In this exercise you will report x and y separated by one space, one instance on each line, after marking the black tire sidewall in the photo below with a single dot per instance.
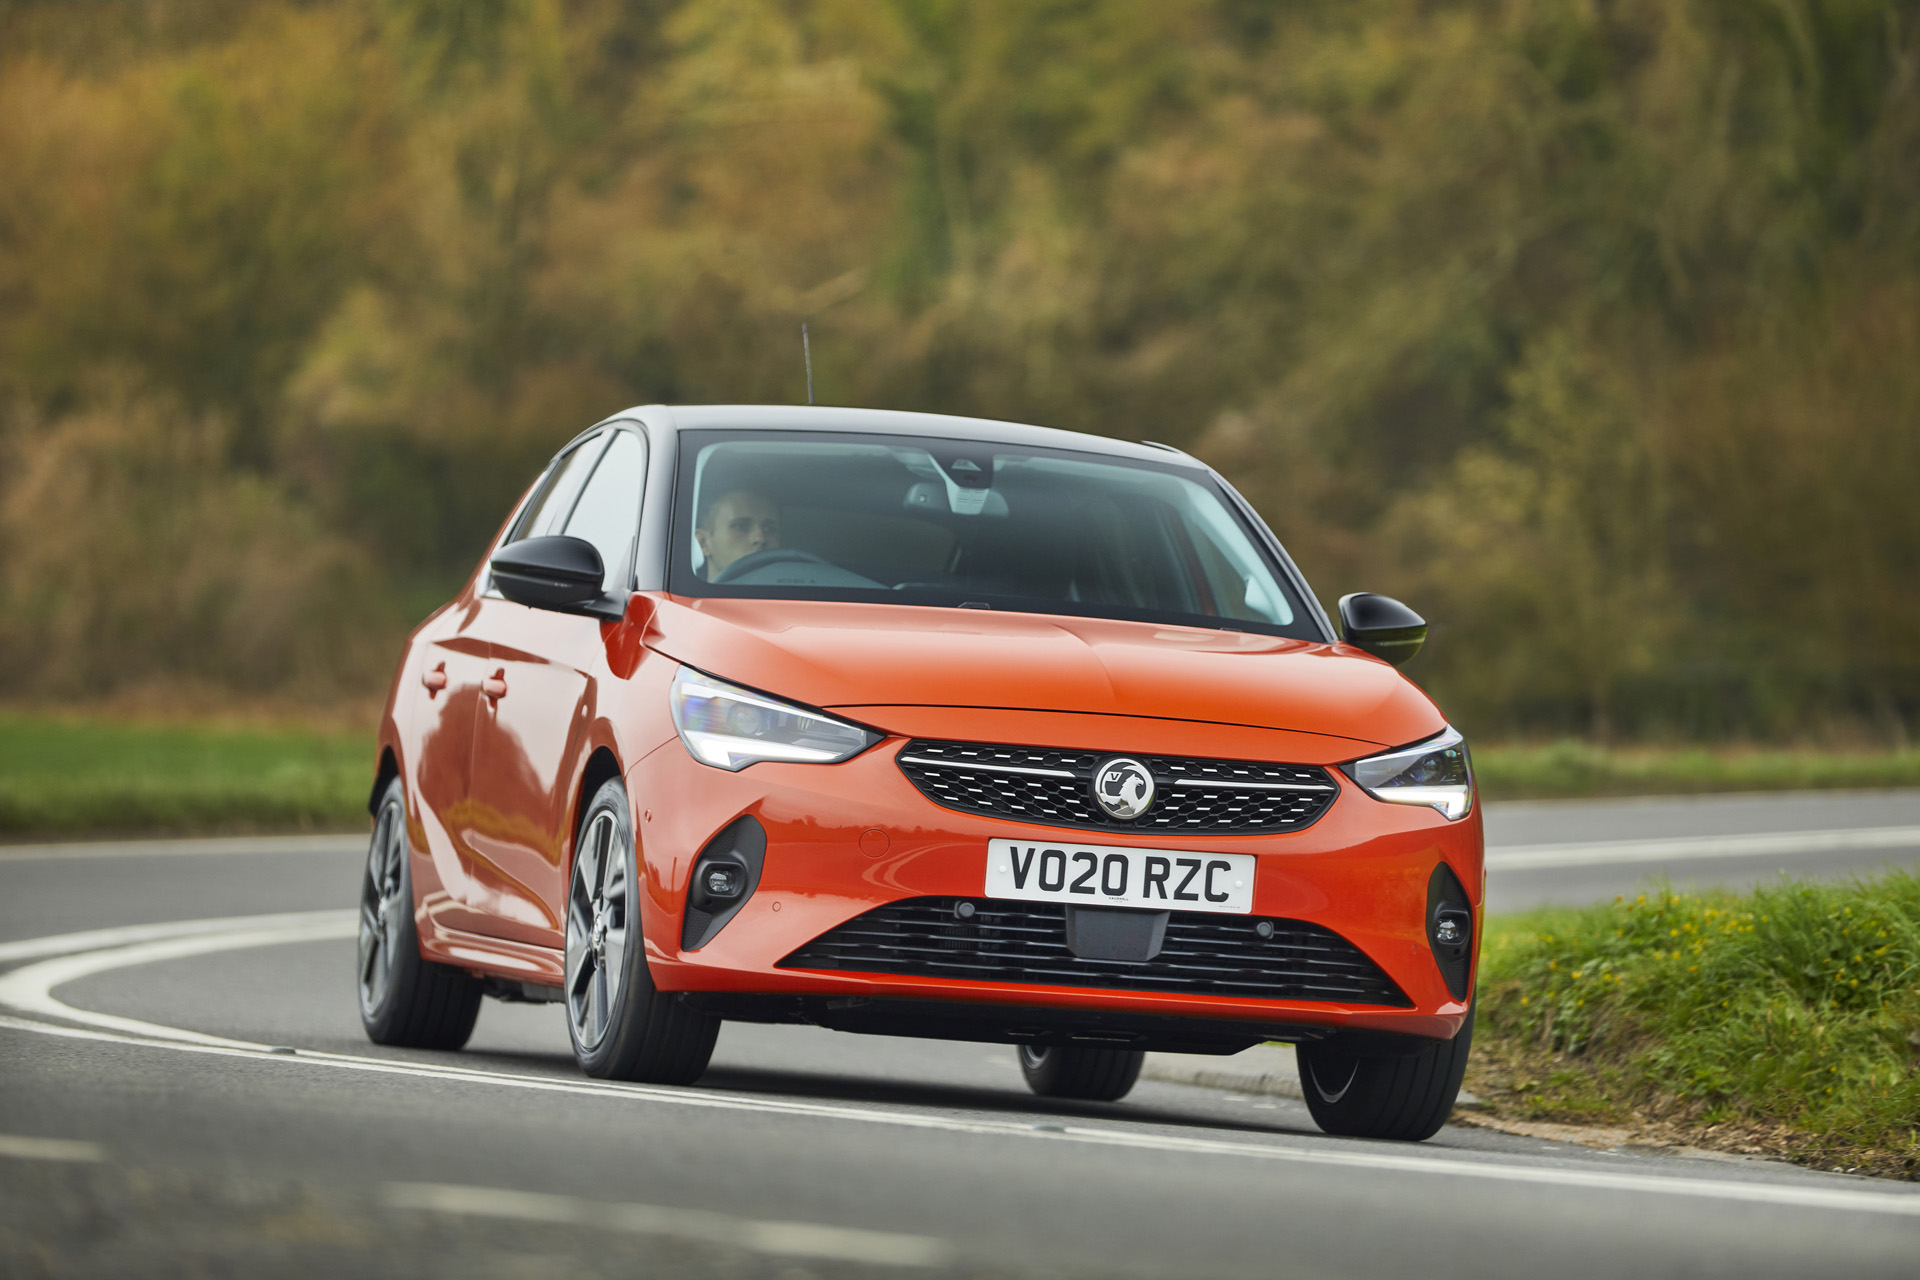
1370 1105
1081 1072
1040 1067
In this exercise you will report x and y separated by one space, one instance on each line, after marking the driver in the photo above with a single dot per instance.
737 523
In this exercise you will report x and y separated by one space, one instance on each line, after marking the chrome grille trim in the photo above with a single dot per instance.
989 768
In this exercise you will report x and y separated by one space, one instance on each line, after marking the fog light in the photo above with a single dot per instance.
723 883
1450 929
723 879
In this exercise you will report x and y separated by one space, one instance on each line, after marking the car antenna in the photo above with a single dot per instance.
806 351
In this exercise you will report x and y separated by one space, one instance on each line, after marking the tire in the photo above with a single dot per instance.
621 1027
1076 1071
1406 1097
405 1000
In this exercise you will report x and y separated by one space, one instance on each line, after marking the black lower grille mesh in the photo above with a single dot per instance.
1006 941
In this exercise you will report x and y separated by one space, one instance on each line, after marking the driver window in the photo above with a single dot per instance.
608 513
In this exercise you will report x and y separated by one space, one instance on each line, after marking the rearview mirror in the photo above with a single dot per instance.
1382 626
550 573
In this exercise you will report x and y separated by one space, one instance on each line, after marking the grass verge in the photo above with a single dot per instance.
1784 1022
61 775
81 773
1571 769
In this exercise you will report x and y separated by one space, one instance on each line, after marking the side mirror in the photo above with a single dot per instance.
550 573
1382 626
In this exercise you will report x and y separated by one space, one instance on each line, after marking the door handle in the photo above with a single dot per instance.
435 680
495 685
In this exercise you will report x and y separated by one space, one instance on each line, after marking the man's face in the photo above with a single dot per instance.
740 523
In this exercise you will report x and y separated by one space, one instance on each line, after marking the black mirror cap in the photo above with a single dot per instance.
1382 626
549 573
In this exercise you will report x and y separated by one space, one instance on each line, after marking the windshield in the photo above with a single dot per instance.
933 522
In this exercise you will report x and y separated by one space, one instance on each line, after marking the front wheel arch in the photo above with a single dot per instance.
601 768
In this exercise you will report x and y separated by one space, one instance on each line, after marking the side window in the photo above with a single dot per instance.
608 513
550 506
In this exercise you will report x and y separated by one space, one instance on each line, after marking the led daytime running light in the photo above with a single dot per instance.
1437 772
730 728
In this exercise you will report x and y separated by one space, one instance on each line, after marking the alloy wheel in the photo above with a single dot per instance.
597 918
382 908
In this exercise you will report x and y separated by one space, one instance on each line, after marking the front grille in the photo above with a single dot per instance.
1055 788
1007 941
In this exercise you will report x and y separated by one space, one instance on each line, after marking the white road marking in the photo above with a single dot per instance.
15 1146
1692 848
789 1239
95 939
319 845
29 989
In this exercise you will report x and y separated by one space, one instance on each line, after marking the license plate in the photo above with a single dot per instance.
1109 876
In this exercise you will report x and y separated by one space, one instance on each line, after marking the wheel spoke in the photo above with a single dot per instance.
369 952
616 955
383 860
597 1002
579 968
377 849
602 846
371 939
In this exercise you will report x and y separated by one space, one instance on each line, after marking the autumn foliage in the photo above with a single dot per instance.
1590 327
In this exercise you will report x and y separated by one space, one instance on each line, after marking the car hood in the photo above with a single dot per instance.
849 656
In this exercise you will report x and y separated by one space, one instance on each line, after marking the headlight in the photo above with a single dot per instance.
1435 772
730 727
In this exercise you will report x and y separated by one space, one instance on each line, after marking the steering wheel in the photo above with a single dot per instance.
760 559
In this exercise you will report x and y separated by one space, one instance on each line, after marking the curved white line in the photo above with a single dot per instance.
96 939
185 847
30 990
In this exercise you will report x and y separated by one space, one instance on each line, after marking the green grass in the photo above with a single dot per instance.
1790 1016
69 776
1570 769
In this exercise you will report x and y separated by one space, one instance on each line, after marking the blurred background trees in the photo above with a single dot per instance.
1591 327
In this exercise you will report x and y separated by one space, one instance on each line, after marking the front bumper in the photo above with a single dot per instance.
845 839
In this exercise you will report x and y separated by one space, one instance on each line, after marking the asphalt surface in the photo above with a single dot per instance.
1568 853
148 1126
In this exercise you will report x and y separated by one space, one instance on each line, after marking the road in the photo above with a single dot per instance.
1570 853
198 1099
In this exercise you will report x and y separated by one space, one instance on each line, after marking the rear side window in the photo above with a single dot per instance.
550 506
608 513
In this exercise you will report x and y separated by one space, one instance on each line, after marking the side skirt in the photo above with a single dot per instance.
518 962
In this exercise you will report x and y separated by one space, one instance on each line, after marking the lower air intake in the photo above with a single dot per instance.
1026 942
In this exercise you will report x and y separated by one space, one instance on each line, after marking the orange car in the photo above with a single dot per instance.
920 725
